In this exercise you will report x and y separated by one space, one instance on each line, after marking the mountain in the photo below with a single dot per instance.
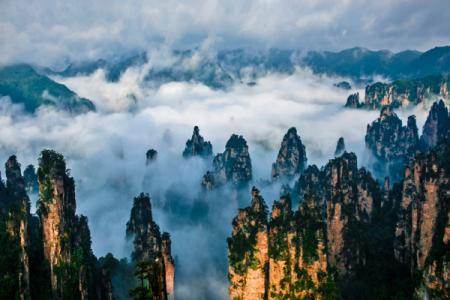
219 70
49 255
25 86
402 92
350 237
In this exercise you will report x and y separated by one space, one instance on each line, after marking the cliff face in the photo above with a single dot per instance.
322 244
197 146
65 236
436 126
391 144
422 230
291 160
232 166
17 222
248 251
151 250
405 92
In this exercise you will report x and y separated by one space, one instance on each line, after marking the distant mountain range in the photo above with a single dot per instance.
33 86
244 65
25 86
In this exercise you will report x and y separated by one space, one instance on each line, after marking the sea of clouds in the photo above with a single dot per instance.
105 151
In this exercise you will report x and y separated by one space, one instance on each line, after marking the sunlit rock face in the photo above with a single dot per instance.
291 159
151 247
391 144
340 147
436 126
197 146
233 166
65 236
422 230
248 249
405 92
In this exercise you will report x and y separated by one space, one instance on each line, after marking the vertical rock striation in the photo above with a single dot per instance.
248 251
65 236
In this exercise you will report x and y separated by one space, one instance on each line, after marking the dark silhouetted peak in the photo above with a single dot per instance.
436 127
353 101
151 155
232 166
390 143
291 160
31 181
340 147
345 85
151 249
197 146
14 180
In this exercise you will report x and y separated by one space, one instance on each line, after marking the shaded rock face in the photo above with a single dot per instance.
248 251
405 92
291 160
17 222
340 147
391 144
197 146
151 247
65 236
436 127
422 230
151 156
353 101
232 166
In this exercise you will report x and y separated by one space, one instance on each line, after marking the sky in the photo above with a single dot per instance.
50 33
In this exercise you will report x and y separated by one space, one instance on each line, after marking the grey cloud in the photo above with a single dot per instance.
51 33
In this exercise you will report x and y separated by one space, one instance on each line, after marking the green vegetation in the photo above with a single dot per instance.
25 86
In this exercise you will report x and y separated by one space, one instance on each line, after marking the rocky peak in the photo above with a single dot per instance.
340 147
390 143
151 156
232 166
151 248
436 127
14 179
65 236
248 251
146 234
353 101
291 160
197 146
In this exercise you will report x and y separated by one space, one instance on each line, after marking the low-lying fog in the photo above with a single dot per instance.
106 150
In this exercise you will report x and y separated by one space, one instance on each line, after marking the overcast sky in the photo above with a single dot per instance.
50 31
